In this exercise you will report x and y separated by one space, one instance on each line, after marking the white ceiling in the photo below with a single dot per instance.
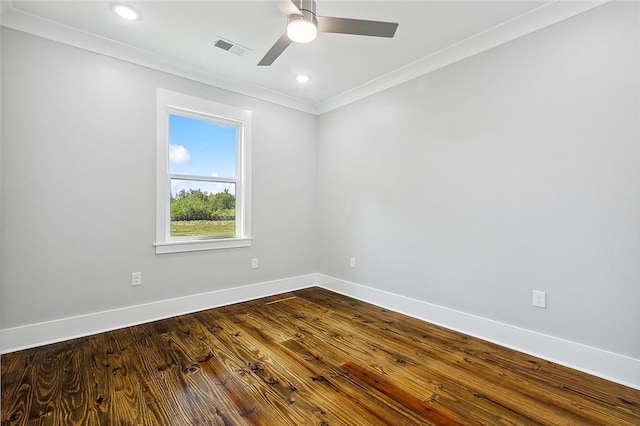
179 36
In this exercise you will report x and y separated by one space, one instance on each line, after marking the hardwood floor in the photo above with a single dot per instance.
311 357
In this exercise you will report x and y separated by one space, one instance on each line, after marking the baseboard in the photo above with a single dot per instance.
32 335
608 365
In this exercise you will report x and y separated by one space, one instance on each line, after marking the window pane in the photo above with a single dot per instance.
201 147
202 209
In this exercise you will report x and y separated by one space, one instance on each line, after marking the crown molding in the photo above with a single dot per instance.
38 26
536 19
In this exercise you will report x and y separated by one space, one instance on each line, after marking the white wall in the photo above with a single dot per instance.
1 175
78 176
513 170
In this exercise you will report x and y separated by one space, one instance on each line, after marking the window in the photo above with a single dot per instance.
204 185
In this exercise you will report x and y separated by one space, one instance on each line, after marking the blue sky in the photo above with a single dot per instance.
199 147
203 148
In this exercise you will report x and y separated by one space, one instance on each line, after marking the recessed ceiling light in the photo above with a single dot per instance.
302 78
126 12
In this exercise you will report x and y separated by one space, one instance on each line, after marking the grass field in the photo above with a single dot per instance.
202 228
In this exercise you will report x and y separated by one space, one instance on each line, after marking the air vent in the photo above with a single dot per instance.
232 47
223 44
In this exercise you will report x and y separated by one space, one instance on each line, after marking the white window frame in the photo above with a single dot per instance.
169 102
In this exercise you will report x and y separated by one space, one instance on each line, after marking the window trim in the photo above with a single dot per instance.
178 103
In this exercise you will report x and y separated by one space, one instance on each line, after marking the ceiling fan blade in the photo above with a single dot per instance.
327 24
275 51
289 7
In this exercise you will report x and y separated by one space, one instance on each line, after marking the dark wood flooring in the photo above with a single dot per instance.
311 357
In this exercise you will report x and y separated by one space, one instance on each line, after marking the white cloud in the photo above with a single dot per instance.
214 174
178 154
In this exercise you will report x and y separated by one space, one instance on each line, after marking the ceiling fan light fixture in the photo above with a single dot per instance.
302 28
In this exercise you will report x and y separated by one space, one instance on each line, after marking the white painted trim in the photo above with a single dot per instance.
31 24
32 335
174 102
608 365
547 14
534 20
176 246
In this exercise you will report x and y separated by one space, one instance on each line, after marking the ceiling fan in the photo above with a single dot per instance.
303 26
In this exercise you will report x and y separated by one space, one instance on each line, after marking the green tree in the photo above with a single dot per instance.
194 204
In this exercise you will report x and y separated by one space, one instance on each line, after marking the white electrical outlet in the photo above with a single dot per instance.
539 299
352 262
136 278
254 263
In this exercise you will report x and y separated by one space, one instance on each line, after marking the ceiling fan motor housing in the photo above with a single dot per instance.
306 16
305 5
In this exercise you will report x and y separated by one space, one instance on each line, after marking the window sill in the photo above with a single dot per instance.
199 245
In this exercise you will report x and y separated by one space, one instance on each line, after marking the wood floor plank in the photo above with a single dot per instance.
534 370
253 368
419 385
323 346
18 390
167 379
343 398
357 351
308 357
74 389
48 385
304 378
575 405
379 383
